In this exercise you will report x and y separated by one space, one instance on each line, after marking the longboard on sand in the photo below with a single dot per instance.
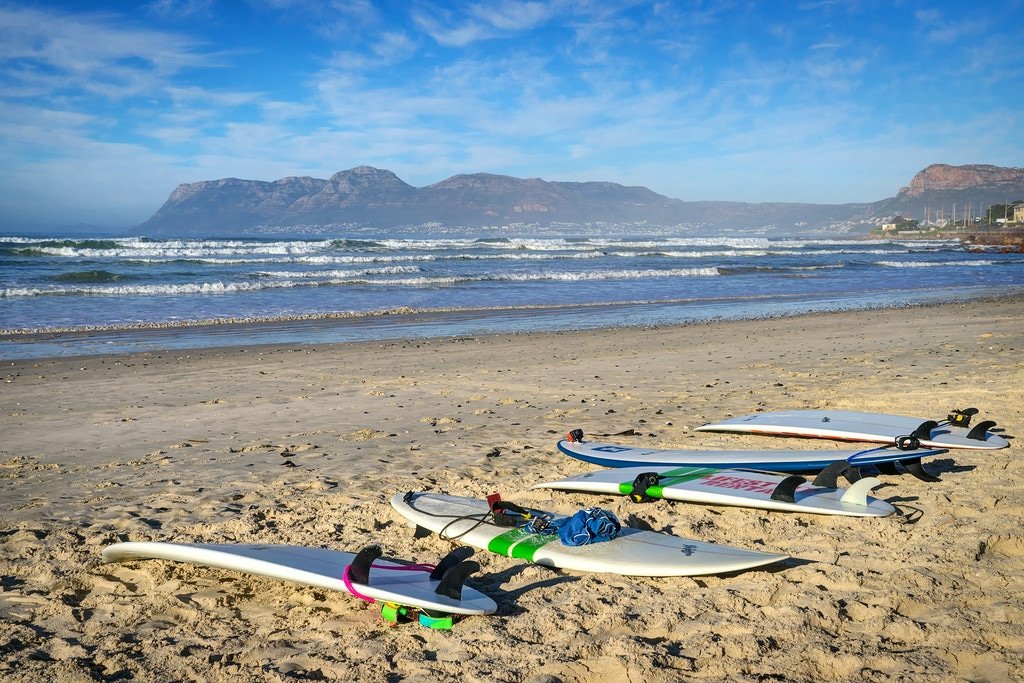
616 455
845 425
730 487
632 553
438 592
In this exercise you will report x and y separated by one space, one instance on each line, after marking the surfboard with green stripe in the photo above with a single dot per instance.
519 543
731 487
678 475
633 552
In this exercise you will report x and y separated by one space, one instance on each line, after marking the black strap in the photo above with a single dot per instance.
641 483
961 418
908 442
506 513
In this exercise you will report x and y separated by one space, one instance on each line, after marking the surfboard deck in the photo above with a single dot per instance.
317 567
778 460
632 553
733 487
845 425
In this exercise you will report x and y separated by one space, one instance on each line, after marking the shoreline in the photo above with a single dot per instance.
438 323
304 444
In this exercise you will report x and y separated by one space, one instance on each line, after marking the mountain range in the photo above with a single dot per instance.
371 198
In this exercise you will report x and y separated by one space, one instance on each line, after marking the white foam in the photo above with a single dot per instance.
933 264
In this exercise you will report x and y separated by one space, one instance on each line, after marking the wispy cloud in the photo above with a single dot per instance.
697 100
93 53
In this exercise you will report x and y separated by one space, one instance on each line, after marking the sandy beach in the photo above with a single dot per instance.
305 445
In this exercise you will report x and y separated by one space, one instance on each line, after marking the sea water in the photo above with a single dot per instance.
123 294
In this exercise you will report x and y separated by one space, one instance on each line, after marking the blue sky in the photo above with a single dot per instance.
104 110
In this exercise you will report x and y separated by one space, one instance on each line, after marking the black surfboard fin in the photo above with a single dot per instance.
455 577
978 431
786 490
359 570
829 477
574 436
915 468
450 560
924 430
421 532
887 468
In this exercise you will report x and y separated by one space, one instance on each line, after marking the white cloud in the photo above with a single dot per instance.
513 15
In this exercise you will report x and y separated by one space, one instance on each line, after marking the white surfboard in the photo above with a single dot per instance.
778 460
732 487
313 567
845 425
632 553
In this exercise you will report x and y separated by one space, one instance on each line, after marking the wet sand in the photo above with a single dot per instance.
305 445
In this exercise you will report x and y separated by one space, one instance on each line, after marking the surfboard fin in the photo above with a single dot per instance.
829 477
915 468
421 532
450 560
575 436
455 578
887 468
857 494
924 430
786 490
978 431
359 570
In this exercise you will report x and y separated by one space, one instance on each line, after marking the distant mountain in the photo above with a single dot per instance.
367 197
940 186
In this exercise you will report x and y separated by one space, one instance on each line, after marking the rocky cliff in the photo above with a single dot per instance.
943 190
938 177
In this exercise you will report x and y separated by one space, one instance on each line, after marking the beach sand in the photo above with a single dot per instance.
305 446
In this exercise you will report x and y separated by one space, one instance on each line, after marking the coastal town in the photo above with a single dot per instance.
998 225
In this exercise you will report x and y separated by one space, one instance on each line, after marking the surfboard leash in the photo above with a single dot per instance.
480 519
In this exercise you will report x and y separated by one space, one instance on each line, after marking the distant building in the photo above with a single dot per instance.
1018 213
899 223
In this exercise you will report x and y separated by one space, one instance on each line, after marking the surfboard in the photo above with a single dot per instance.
778 460
845 425
632 553
386 581
730 487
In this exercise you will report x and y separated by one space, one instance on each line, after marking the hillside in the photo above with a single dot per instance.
372 198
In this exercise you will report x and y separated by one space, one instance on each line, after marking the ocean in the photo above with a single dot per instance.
76 296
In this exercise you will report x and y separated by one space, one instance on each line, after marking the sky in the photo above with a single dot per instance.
105 107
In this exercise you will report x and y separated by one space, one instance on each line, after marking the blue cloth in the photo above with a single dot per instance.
592 525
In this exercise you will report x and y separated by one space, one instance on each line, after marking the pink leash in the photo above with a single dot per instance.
398 568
